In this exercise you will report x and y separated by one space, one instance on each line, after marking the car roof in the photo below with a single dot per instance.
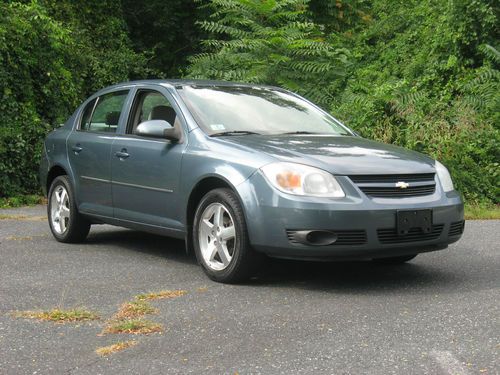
183 82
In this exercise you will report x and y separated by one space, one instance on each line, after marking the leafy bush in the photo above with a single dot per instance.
426 80
422 74
47 67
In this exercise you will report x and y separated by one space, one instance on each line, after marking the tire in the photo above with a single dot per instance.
220 238
395 260
66 223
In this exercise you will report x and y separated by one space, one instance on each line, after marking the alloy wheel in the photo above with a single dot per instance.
59 209
217 236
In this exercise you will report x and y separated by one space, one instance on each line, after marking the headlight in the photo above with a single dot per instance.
301 179
444 177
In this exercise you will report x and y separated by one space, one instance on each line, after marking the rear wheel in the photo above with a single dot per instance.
395 260
220 238
66 223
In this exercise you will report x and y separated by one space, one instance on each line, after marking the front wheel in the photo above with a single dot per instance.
395 260
220 238
66 223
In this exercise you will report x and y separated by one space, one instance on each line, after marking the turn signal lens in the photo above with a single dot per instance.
289 180
444 177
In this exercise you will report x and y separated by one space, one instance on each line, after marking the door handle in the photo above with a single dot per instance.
77 148
122 154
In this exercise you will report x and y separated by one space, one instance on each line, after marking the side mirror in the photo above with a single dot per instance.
158 129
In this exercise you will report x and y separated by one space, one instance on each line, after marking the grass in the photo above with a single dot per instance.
22 200
119 346
22 217
19 238
160 295
133 326
129 318
58 315
482 212
134 309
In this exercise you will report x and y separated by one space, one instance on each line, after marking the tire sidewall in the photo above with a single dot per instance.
221 196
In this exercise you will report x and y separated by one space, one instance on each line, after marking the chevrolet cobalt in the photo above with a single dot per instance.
239 171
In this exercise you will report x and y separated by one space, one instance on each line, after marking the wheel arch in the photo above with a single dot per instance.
54 172
202 187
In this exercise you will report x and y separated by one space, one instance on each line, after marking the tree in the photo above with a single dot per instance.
270 42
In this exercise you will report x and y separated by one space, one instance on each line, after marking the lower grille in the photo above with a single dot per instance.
456 228
390 235
344 237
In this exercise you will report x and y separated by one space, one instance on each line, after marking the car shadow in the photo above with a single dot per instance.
349 277
142 242
356 277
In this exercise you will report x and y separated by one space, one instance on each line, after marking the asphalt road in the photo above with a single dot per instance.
436 315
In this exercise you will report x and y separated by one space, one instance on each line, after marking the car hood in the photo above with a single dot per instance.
343 155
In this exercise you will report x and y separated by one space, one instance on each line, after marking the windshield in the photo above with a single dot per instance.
262 110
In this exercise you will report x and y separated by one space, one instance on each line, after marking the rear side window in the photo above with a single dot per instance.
102 114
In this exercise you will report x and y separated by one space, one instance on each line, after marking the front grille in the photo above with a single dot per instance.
390 235
456 228
384 186
344 237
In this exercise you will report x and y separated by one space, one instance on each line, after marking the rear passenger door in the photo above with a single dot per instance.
89 149
146 170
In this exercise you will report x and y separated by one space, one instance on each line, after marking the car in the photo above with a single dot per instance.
242 172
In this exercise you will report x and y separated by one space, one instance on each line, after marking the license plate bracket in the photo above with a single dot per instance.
410 219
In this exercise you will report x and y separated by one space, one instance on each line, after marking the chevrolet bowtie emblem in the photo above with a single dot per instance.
402 184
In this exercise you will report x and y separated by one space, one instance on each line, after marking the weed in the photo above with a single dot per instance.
119 346
160 295
134 309
133 326
22 218
58 315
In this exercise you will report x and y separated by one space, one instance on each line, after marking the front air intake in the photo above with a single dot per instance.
327 237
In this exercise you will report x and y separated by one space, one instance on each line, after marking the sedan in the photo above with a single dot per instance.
241 172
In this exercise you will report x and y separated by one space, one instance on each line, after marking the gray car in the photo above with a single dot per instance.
242 171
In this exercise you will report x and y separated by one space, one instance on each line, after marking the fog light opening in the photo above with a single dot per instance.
315 237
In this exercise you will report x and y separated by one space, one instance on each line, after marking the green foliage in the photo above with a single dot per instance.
21 200
425 78
339 15
50 60
422 74
165 31
271 42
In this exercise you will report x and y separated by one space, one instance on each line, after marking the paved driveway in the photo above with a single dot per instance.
438 314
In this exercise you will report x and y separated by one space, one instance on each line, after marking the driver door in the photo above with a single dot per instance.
146 171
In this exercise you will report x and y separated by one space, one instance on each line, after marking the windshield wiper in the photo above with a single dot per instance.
301 132
306 132
234 132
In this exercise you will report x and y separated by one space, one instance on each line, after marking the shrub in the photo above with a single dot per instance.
47 67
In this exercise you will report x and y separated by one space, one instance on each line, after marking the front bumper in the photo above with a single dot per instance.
272 215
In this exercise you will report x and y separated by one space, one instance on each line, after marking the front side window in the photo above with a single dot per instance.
263 110
151 105
102 114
